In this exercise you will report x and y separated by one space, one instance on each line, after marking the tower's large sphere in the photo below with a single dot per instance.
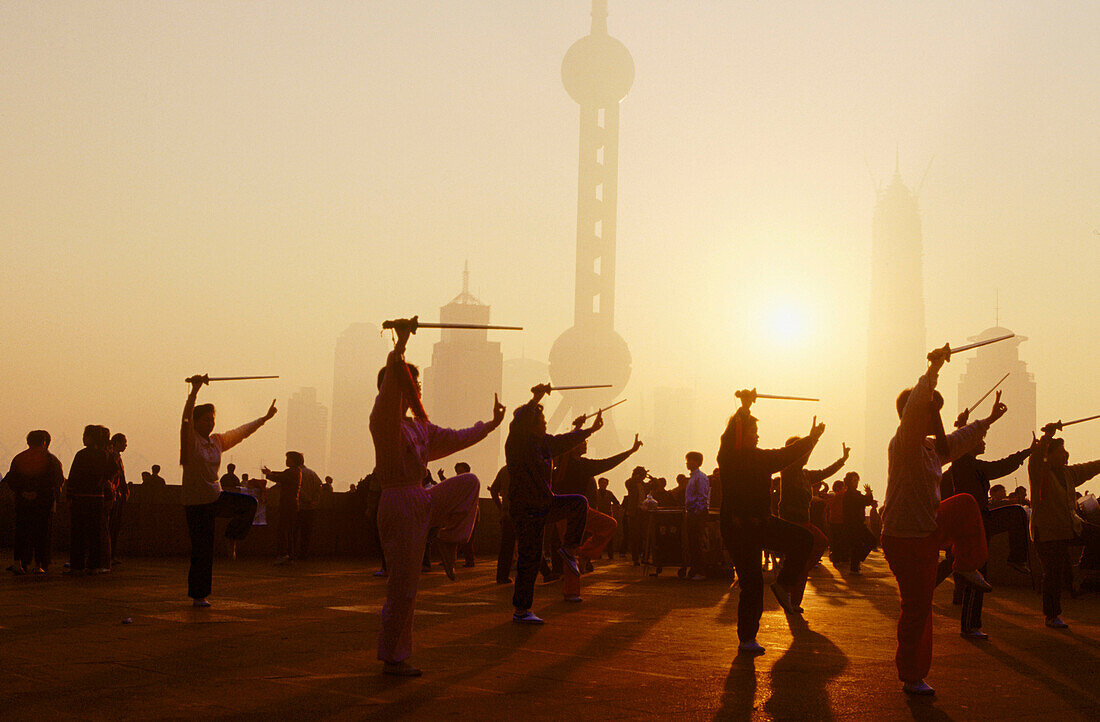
591 356
597 70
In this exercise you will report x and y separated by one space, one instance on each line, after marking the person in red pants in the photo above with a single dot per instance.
916 524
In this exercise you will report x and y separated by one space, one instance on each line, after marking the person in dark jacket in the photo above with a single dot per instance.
35 478
529 452
89 492
748 525
856 534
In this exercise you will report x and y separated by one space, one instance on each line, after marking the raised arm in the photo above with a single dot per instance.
595 467
1003 467
775 460
231 438
819 475
187 435
444 442
1083 472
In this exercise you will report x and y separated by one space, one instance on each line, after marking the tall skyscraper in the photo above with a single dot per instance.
983 369
896 334
360 352
597 73
466 371
307 428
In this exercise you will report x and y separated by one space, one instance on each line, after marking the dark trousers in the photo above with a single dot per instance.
745 539
305 530
838 544
33 530
1090 535
89 540
632 536
1054 557
507 547
1011 519
114 524
695 528
240 509
529 523
285 530
860 542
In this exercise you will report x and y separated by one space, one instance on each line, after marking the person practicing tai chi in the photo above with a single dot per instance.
203 499
576 474
403 447
1054 523
916 524
748 526
971 475
796 492
529 452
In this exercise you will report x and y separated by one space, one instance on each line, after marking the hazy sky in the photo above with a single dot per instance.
223 187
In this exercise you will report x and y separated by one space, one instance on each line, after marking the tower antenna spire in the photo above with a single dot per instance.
599 17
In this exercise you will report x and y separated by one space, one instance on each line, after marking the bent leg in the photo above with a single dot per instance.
454 508
240 509
959 526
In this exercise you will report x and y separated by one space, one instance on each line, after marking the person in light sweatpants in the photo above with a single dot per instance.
406 511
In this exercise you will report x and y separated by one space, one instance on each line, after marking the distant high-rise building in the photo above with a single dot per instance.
307 428
984 369
597 72
466 372
673 433
896 334
360 352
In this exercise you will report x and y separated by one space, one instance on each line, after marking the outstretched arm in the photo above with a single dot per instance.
595 467
823 474
231 438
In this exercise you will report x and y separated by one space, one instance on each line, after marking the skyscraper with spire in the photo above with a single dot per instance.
466 370
597 72
896 347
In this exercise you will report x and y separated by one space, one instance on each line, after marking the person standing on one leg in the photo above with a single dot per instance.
203 499
35 478
748 526
1054 525
971 475
529 452
403 447
796 492
916 524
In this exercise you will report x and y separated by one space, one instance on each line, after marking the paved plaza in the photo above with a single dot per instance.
298 642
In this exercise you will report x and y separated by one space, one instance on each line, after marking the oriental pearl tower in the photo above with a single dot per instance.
597 73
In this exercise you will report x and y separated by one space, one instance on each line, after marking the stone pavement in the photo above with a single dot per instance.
298 642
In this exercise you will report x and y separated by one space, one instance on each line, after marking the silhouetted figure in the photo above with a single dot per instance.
748 526
858 537
796 485
154 483
121 492
230 481
35 478
498 490
309 501
406 511
608 503
971 475
916 524
838 544
632 514
1054 525
466 548
529 452
696 514
89 490
203 499
574 474
288 482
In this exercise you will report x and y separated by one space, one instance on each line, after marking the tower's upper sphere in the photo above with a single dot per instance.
597 70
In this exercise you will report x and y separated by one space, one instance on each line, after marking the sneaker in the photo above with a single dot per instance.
783 596
38 571
975 579
919 688
200 603
751 647
100 570
1056 623
573 598
380 573
527 617
570 560
400 669
973 634
1021 567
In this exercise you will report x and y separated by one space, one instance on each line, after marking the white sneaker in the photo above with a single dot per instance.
201 603
919 688
1056 623
751 647
573 598
527 617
